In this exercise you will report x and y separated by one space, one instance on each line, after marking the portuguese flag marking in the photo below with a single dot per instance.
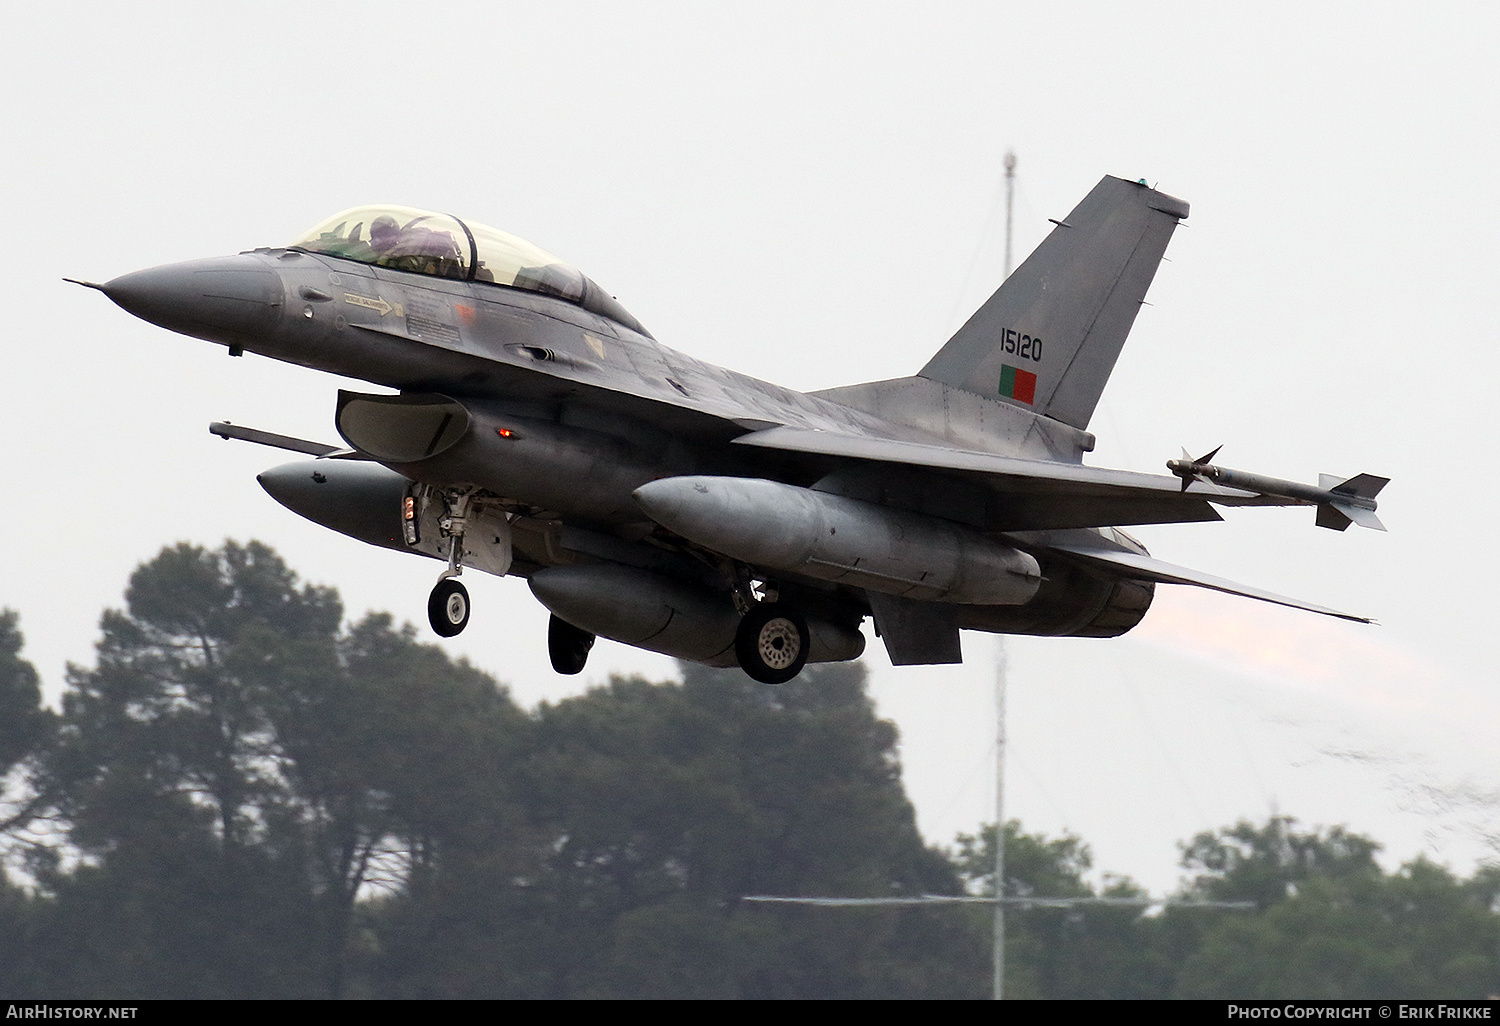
1017 384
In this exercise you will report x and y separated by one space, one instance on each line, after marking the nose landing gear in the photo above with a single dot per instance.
448 605
448 608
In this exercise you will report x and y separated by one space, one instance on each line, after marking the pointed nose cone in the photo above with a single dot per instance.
231 300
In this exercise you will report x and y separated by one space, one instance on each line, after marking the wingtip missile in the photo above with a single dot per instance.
1340 501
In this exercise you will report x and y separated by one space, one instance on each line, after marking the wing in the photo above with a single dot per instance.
1031 494
1043 495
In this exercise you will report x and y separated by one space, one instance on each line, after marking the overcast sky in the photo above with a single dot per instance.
811 193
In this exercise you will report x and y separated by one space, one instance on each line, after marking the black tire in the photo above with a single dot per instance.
568 646
771 643
448 608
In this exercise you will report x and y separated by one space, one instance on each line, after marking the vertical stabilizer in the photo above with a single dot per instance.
1048 339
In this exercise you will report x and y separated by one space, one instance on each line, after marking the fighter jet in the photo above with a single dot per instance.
530 426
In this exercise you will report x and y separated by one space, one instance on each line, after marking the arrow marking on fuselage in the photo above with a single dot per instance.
378 304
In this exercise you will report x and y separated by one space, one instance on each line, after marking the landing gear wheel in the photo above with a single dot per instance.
448 608
568 646
771 643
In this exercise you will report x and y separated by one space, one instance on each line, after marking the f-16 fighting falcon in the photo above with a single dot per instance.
530 426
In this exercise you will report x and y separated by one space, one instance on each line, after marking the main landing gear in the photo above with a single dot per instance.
771 643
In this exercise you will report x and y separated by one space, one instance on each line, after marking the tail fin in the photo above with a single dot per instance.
1048 339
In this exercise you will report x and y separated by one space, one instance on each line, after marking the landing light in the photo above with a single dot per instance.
409 520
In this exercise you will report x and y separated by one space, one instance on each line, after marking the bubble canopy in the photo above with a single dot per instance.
440 245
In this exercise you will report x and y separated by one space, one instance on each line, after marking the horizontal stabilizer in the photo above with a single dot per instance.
1144 568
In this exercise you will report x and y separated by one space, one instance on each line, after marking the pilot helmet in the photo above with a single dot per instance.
384 229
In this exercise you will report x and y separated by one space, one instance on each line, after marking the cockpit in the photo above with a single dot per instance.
425 242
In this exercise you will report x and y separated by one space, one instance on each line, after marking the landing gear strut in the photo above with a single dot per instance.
568 646
448 605
772 642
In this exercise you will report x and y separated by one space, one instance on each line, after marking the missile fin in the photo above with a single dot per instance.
1366 486
1187 476
1333 517
1338 515
1363 517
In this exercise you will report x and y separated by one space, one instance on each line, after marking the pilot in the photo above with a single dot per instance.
385 234
414 248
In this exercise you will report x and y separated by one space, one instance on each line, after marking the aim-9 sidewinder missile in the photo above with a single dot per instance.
1340 501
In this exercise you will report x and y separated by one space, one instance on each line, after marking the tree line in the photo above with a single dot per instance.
245 796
